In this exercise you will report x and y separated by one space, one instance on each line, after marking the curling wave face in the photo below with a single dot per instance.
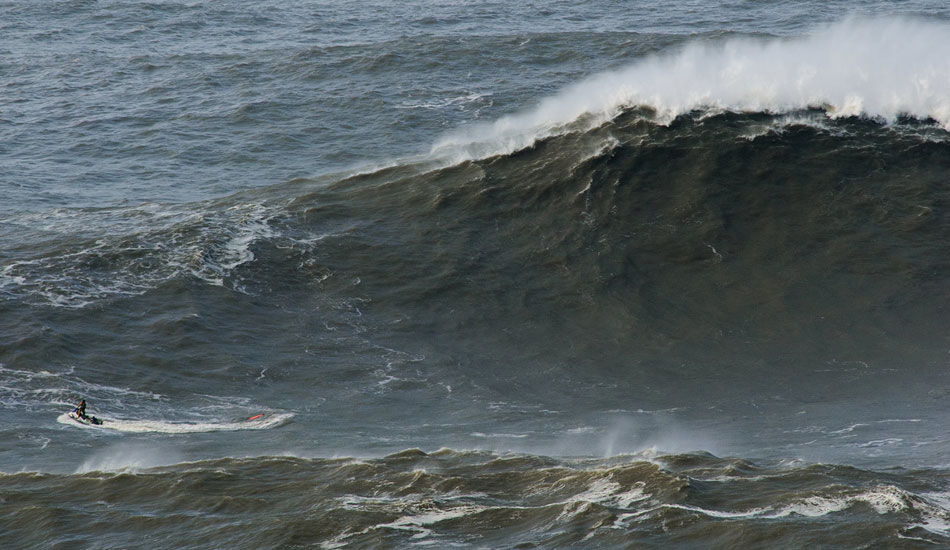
779 232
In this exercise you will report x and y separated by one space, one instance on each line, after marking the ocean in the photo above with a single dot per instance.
475 274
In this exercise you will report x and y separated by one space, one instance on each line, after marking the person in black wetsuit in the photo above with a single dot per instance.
81 409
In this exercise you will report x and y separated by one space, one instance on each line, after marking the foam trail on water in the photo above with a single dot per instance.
158 426
881 69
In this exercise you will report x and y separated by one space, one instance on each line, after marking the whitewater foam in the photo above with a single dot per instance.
208 245
35 390
882 69
935 513
158 426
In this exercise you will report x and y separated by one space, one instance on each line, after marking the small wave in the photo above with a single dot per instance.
498 435
882 499
849 429
568 493
418 522
479 100
720 514
935 514
223 258
610 493
158 426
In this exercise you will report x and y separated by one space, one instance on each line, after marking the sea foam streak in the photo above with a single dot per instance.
208 245
881 69
158 426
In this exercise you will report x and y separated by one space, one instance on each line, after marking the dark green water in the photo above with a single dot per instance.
494 277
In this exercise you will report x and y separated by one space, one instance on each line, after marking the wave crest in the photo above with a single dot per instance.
876 68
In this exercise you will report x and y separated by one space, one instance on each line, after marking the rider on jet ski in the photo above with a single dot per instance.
80 409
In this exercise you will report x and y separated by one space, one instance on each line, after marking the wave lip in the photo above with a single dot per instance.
884 69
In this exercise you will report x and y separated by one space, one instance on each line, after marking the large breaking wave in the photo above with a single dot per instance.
887 71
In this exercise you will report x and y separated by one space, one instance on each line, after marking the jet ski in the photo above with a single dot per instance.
85 419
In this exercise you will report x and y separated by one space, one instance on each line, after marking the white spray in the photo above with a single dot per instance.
876 68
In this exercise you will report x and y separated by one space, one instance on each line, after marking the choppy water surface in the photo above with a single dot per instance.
547 275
